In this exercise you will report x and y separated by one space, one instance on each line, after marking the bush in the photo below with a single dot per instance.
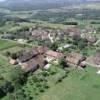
41 90
45 73
8 54
63 63
54 46
14 56
46 87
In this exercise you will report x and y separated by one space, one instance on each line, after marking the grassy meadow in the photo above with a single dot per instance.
79 85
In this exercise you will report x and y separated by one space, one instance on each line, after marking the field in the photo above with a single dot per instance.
79 85
55 83
12 47
4 65
4 44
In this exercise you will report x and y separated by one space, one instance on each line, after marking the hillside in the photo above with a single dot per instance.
39 4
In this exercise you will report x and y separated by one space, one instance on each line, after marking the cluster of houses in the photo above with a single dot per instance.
42 33
46 34
34 58
87 34
40 56
55 34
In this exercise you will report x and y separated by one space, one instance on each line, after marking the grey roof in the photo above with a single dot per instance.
27 55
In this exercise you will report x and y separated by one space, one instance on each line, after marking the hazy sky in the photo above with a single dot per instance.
55 0
2 0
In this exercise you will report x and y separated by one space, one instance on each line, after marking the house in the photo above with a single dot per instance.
32 59
64 47
31 53
33 64
13 62
94 60
75 59
73 31
27 55
89 38
42 49
51 55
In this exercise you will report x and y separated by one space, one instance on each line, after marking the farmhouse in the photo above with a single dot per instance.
75 59
91 39
32 59
51 55
33 64
73 31
94 59
27 55
42 49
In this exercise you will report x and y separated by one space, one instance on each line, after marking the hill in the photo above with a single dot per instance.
29 4
39 4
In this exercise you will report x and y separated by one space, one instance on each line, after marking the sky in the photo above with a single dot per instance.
2 0
58 0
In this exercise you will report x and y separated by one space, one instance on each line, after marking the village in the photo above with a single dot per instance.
48 56
42 54
49 49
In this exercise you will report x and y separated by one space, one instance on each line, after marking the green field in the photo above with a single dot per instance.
79 85
5 66
5 44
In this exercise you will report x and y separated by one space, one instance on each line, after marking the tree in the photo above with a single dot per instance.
8 54
20 95
14 56
5 87
82 44
76 40
54 46
17 77
63 63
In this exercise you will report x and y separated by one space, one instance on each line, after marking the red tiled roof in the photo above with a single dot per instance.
54 54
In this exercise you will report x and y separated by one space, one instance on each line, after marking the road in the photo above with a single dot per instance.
97 42
17 42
